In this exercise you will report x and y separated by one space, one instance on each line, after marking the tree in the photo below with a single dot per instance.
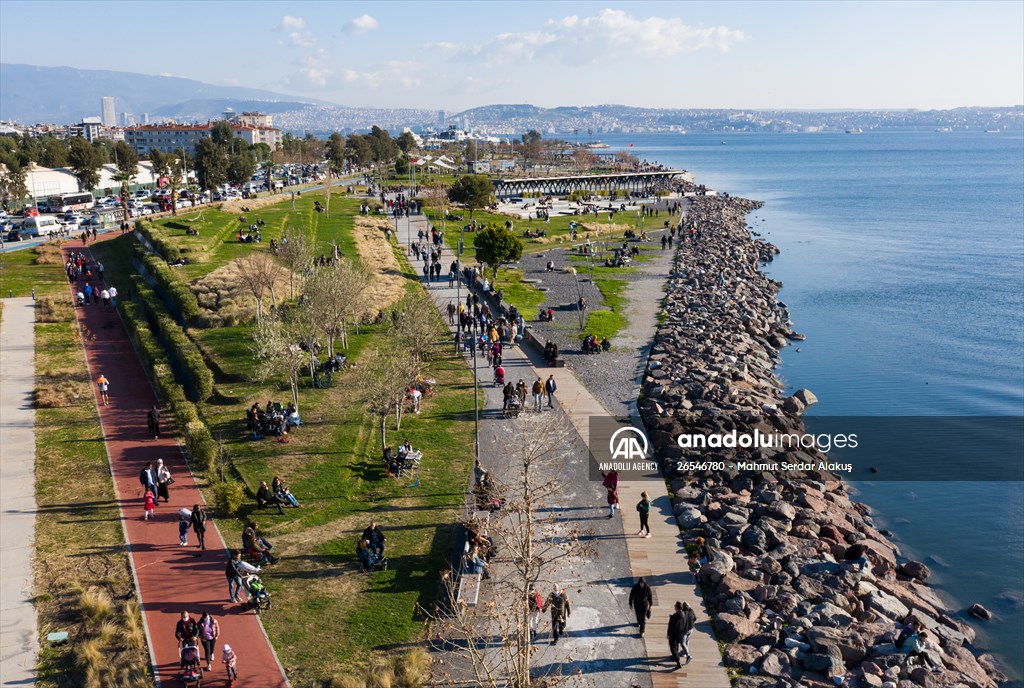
13 176
532 146
583 160
495 639
277 353
54 153
401 167
221 134
407 142
127 161
335 150
211 164
241 167
474 191
258 273
262 151
85 161
296 252
358 150
497 245
384 147
384 379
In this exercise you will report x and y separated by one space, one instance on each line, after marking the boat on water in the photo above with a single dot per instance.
944 130
596 144
858 130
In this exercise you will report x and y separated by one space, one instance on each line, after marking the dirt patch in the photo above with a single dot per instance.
378 256
253 204
224 301
604 228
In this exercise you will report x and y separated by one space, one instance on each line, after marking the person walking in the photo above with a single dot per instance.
103 384
209 630
234 576
550 386
183 525
153 422
641 600
198 523
643 508
147 478
536 609
149 505
680 626
538 395
558 604
230 660
186 630
611 483
163 481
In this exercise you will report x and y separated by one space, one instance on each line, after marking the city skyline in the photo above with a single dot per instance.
455 56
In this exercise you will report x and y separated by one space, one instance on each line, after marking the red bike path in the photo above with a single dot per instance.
169 578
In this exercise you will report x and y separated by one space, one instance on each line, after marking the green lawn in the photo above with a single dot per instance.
602 323
20 274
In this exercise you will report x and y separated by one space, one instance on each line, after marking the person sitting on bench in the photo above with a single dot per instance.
264 497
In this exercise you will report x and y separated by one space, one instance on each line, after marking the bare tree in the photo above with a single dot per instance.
384 377
277 353
417 325
494 639
296 253
259 273
334 294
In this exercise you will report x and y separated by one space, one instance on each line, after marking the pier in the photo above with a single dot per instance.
644 182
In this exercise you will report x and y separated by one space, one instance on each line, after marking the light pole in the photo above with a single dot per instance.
579 297
476 407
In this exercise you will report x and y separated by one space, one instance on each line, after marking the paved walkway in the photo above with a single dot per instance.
168 577
661 558
19 634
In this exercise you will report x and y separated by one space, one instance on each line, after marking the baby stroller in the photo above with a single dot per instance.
499 376
513 407
259 598
191 673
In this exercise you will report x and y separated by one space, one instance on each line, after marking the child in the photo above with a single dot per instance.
229 658
150 505
182 530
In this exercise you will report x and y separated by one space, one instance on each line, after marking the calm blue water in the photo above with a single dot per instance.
903 260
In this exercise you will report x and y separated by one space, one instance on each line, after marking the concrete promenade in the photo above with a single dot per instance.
19 634
660 558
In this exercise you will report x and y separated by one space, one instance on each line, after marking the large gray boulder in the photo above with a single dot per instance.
886 605
806 397
733 627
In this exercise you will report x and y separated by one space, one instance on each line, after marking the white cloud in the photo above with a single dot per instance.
361 24
384 75
295 29
311 71
443 46
580 40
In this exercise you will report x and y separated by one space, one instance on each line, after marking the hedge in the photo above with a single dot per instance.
166 249
181 350
183 301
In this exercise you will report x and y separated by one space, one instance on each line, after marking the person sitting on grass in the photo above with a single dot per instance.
256 546
283 493
265 497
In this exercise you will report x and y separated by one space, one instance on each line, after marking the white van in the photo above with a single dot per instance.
42 225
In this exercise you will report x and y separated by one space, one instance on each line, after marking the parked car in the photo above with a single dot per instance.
91 223
14 235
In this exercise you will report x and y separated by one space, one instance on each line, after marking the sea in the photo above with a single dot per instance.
902 258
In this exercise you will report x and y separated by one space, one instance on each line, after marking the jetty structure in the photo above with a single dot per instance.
640 182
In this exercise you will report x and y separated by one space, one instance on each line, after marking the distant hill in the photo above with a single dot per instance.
31 94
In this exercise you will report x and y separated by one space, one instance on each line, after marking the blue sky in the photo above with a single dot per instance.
455 55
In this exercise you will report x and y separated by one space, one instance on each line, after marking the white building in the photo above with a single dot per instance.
89 128
43 182
109 114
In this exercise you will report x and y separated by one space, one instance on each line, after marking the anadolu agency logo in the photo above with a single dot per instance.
628 444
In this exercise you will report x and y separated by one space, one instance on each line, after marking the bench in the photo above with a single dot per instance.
528 336
469 589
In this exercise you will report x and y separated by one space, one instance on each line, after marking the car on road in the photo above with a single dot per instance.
14 235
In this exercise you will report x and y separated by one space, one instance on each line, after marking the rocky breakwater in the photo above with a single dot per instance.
779 575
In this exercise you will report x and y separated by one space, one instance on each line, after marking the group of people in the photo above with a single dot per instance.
370 548
398 462
680 623
275 494
190 633
516 394
272 419
591 345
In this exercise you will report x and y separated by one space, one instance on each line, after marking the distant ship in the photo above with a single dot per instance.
596 144
943 130
858 130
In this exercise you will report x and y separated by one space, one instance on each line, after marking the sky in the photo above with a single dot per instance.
458 55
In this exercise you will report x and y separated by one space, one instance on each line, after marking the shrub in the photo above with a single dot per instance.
200 444
228 496
166 249
95 604
48 254
182 301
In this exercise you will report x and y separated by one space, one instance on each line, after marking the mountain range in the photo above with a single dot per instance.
31 94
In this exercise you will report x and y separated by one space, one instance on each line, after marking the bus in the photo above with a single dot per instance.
64 203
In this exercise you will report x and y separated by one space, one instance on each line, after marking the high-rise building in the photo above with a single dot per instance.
145 118
109 114
129 119
440 119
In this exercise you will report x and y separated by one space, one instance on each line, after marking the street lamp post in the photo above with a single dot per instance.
579 297
476 408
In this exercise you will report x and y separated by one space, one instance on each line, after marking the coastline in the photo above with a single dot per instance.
787 605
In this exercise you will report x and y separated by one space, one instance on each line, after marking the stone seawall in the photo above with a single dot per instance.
781 575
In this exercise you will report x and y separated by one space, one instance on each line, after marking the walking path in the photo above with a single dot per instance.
19 634
661 558
169 578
